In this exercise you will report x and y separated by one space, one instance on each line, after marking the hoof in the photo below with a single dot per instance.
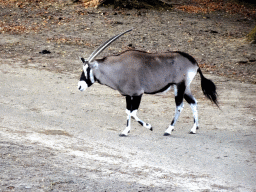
122 135
151 129
167 134
191 132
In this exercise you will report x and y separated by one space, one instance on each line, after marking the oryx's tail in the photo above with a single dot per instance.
208 88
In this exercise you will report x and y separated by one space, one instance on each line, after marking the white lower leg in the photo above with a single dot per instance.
169 130
177 114
126 131
128 126
193 130
134 115
195 115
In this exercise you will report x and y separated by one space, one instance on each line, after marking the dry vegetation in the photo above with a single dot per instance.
192 6
207 6
252 35
202 6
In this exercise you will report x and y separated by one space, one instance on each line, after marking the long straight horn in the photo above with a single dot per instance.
105 45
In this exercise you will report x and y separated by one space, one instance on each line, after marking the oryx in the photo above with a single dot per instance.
134 73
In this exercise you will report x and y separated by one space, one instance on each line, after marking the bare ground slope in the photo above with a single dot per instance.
55 138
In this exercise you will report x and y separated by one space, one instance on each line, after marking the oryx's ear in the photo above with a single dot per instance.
82 59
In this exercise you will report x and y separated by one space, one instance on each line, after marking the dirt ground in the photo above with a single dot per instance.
55 138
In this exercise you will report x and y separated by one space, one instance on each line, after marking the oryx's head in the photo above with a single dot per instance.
87 77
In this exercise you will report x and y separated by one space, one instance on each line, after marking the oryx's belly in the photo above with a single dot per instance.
159 89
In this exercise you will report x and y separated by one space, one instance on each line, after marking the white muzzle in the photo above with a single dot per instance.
82 85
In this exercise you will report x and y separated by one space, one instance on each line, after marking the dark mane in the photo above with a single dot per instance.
117 54
120 53
189 57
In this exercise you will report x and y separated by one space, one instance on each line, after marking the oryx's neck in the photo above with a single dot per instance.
95 74
103 74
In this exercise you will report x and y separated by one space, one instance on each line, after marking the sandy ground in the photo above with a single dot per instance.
55 138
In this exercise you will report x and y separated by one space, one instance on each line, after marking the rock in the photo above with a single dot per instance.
45 52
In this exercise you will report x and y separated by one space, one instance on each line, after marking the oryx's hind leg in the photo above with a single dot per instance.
179 94
132 105
193 104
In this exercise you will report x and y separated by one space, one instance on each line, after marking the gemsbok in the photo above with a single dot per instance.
135 72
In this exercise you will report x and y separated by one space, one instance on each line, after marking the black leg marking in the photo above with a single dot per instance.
195 122
128 103
190 99
151 129
167 134
180 93
133 103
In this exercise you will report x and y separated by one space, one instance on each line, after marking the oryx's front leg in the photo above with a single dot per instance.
132 105
128 125
134 115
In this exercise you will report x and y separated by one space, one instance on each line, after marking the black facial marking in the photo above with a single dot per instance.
86 79
82 78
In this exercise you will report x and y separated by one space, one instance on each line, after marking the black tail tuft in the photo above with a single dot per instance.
208 88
